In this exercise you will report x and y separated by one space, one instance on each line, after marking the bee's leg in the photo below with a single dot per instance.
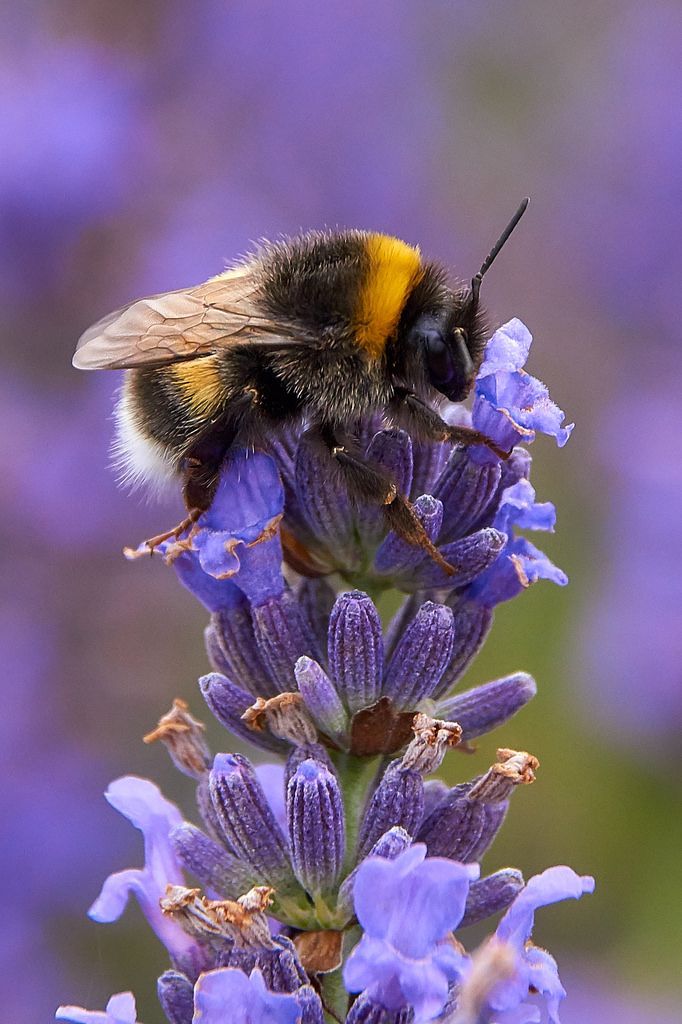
409 410
190 519
200 469
365 483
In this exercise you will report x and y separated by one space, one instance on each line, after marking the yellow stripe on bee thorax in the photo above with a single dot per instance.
394 270
200 383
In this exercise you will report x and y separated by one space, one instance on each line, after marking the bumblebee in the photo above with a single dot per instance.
323 329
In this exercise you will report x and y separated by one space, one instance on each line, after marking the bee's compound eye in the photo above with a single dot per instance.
438 358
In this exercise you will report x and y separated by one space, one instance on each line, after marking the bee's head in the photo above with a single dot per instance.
443 332
450 345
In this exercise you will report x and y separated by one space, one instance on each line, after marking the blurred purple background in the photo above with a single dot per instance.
143 145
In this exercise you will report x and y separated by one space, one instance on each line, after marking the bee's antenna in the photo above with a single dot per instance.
488 261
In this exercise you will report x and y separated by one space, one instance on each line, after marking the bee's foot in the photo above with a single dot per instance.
150 545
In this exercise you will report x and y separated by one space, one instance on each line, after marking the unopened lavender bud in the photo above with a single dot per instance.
389 846
282 635
183 737
285 716
466 490
281 967
316 826
278 963
305 752
316 599
433 737
208 812
397 800
483 708
176 996
396 556
421 656
232 650
228 702
471 625
247 819
356 650
322 700
488 896
211 864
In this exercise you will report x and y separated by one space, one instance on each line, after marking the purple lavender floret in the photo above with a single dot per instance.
534 968
404 957
144 806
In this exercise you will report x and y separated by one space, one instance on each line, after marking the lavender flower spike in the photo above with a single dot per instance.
142 803
120 1010
316 826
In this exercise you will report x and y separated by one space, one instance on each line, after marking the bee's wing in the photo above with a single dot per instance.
177 325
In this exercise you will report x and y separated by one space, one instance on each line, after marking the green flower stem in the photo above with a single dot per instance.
356 775
334 996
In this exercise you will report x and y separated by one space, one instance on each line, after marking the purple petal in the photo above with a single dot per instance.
553 885
519 508
143 804
391 897
120 1010
214 594
239 540
228 994
511 405
271 778
508 349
